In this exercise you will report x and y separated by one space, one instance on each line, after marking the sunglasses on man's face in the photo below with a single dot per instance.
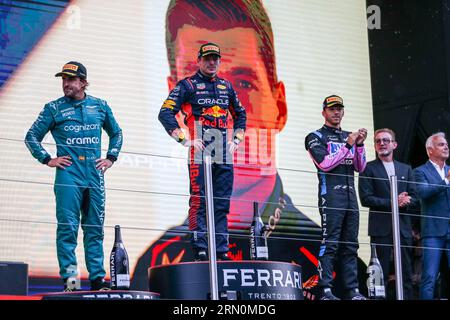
384 140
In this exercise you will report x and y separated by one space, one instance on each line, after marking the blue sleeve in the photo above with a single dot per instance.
171 106
43 124
424 189
237 111
114 132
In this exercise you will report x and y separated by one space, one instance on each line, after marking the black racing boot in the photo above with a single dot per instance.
200 255
99 284
71 284
354 294
328 295
223 256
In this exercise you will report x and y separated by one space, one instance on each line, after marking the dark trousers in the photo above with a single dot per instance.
339 240
384 249
222 180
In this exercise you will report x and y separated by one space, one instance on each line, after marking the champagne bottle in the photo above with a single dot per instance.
258 238
119 266
375 281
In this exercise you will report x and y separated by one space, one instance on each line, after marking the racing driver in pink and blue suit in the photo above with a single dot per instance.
336 155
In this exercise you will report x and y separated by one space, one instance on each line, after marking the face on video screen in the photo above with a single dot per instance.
241 64
132 64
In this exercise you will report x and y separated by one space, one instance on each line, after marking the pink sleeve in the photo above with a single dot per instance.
359 160
331 161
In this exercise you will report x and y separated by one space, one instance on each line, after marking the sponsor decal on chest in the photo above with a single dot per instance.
68 112
214 111
85 127
91 109
334 147
212 101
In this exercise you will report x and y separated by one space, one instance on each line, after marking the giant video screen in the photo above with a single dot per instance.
282 57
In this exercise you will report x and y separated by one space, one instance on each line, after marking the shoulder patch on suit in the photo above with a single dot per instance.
317 133
188 83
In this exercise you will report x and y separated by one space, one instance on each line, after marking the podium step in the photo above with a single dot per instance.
102 295
237 280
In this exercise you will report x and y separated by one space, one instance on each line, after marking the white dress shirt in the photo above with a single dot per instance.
441 171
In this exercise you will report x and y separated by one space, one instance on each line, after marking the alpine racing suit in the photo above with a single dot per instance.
76 126
336 162
206 103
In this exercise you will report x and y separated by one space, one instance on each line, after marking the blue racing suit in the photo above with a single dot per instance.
207 102
76 126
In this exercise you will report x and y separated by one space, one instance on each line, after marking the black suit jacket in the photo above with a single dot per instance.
375 194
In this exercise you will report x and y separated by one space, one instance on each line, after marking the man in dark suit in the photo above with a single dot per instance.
434 192
374 192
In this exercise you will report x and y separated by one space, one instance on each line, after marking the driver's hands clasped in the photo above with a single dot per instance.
362 135
351 139
357 137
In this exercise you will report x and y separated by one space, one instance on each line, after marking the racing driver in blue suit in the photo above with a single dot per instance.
76 122
207 101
